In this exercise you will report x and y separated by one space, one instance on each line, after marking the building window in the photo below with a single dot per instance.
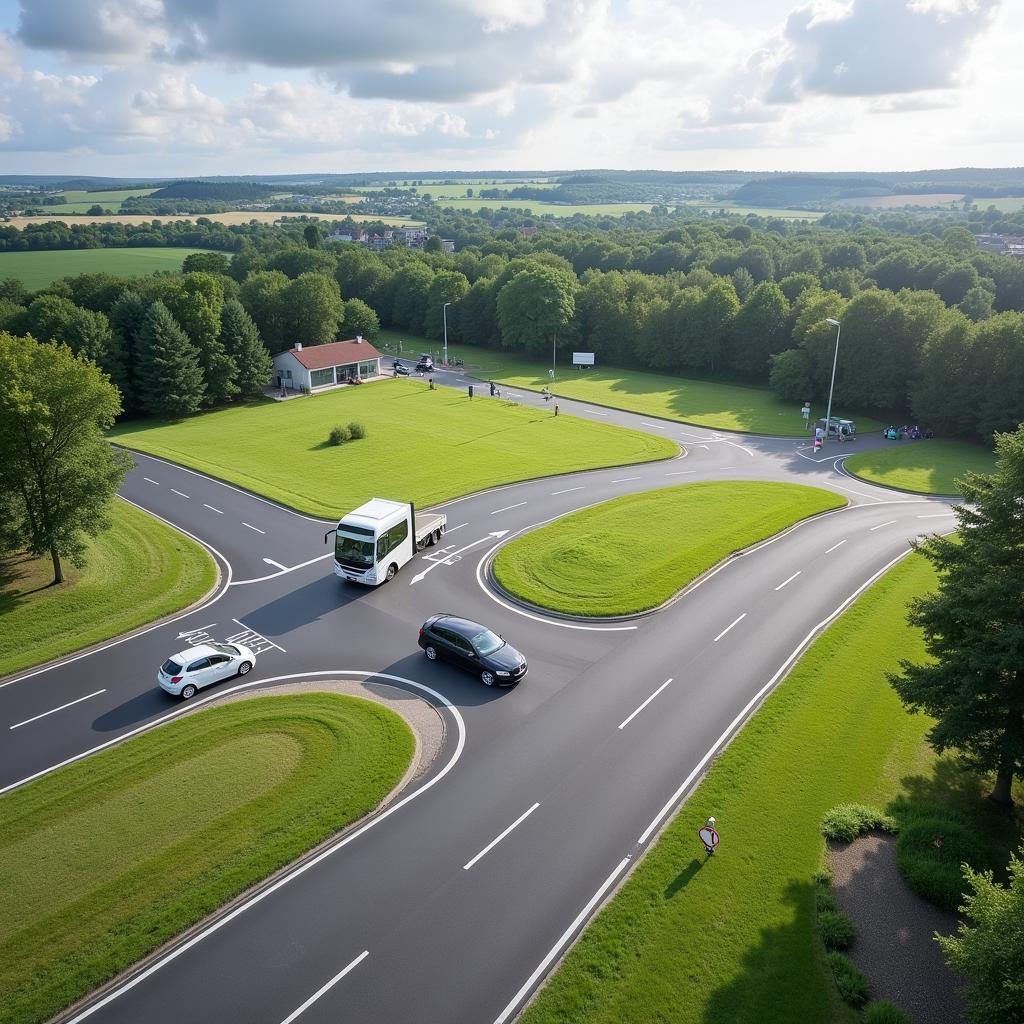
321 378
368 368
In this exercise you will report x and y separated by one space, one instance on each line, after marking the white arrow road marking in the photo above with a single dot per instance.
448 559
18 725
276 565
326 988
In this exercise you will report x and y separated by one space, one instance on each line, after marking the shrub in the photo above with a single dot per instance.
852 985
847 821
825 902
823 876
338 435
933 870
837 931
356 431
884 1012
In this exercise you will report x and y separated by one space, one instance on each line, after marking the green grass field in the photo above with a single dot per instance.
1007 204
758 211
103 861
925 467
421 445
733 940
136 571
579 565
38 269
80 201
542 209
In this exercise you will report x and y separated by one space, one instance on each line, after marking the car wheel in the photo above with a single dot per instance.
430 652
487 678
188 691
392 569
243 669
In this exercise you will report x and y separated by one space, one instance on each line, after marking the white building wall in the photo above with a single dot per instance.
284 362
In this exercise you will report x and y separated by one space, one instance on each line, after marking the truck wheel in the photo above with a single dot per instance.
437 536
421 544
392 569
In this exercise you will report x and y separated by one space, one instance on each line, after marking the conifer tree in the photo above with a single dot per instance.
169 376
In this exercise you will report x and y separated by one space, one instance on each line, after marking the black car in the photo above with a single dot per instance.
473 647
425 365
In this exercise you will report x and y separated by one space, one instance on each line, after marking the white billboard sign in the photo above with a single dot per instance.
583 359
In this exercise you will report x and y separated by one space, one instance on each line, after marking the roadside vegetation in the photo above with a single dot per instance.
579 564
136 571
439 444
925 467
103 861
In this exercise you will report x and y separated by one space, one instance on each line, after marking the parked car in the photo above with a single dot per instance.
400 369
835 424
183 674
425 365
474 647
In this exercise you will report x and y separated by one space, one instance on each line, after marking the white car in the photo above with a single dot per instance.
183 674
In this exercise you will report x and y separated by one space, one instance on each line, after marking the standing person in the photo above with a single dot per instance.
556 408
491 383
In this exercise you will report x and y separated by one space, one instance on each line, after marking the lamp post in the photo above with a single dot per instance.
835 359
444 313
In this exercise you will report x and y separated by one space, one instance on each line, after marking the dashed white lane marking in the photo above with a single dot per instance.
494 842
181 493
256 528
937 515
880 525
657 426
250 638
625 479
326 988
212 509
594 412
567 490
645 703
18 725
790 580
731 624
682 472
276 565
834 546
452 529
149 480
518 504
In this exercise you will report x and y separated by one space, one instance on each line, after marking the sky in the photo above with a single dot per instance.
171 88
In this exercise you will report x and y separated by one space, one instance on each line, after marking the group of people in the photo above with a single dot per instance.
905 433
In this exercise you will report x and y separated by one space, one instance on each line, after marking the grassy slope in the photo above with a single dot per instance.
596 562
927 467
104 860
733 940
38 269
137 571
421 445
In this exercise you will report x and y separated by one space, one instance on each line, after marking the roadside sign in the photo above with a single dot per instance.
709 837
583 359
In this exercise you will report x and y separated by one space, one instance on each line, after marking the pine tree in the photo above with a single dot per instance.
168 374
241 340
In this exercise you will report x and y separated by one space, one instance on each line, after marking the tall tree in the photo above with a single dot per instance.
241 341
127 317
361 320
759 330
974 626
58 472
411 289
262 294
168 373
196 302
312 310
448 286
535 306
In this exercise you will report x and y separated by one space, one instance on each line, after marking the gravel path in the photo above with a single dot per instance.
894 945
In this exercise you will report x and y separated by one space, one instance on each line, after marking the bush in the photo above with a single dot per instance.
933 871
884 1012
852 985
837 931
847 821
356 431
825 902
338 435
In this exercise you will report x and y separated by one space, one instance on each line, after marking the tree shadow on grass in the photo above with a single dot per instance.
18 580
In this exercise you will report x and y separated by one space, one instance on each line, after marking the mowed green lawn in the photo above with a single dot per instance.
136 571
926 467
732 939
598 562
38 269
103 861
422 446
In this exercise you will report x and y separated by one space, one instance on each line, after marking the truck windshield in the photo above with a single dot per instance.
353 551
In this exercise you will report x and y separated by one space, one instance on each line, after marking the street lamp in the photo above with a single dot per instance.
444 313
835 359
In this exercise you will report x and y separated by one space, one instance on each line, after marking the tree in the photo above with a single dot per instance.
988 947
299 259
759 330
241 341
311 233
127 316
743 282
361 320
196 303
997 368
478 315
974 626
248 260
168 374
312 310
58 472
448 286
411 288
95 210
977 303
946 392
790 375
710 329
211 262
433 244
262 294
534 306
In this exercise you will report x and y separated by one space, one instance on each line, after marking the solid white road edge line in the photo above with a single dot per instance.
452 529
828 551
18 725
494 842
145 629
880 525
731 624
256 528
790 580
326 988
506 508
937 515
645 703
304 867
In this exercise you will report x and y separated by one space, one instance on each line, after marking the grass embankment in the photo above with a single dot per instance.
421 445
925 467
38 269
633 553
104 860
135 572
733 940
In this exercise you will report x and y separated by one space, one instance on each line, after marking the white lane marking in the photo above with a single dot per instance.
181 494
937 515
256 528
452 529
151 481
731 624
494 842
326 988
657 426
567 490
265 639
645 703
276 565
681 472
18 725
306 865
557 947
518 504
790 580
212 509
625 479
861 494
880 525
834 546
594 412
274 575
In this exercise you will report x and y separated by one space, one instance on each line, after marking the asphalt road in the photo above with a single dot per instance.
450 906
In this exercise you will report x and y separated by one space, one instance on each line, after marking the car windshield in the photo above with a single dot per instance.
172 668
225 649
487 642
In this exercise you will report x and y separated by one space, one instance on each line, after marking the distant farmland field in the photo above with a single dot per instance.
552 209
1008 204
79 201
234 217
895 202
38 269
